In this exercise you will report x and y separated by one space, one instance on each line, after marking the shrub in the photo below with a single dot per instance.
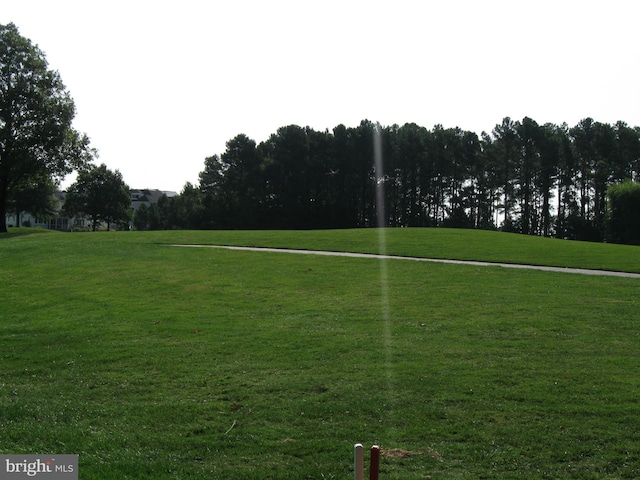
623 213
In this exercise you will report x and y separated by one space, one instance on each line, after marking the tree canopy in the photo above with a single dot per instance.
548 180
101 195
37 140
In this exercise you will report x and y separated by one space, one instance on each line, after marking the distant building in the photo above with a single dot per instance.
59 222
55 222
148 197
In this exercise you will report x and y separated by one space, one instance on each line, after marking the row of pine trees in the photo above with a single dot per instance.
548 180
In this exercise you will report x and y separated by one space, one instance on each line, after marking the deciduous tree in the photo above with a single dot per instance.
101 195
623 214
36 112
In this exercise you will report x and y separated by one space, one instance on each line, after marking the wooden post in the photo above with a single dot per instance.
374 466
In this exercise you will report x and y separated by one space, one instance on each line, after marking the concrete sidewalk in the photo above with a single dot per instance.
578 271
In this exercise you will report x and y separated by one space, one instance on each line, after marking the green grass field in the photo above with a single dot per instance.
155 362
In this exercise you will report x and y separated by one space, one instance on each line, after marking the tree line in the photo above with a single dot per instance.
547 180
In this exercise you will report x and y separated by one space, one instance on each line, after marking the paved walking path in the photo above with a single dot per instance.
580 271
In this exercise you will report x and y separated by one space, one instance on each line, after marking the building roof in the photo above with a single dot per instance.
149 196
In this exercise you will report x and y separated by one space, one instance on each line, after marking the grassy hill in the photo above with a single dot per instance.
151 361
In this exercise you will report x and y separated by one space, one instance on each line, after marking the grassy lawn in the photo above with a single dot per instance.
157 362
440 243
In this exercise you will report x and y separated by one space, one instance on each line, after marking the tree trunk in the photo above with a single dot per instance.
546 218
3 206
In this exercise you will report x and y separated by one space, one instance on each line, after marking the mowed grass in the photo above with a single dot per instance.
439 243
151 361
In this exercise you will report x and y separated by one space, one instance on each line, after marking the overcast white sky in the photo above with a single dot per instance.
160 85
